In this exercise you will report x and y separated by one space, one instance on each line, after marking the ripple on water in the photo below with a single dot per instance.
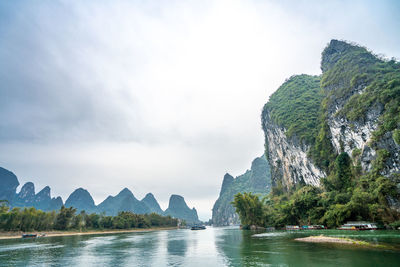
272 234
29 246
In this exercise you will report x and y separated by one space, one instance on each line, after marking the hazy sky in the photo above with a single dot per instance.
158 96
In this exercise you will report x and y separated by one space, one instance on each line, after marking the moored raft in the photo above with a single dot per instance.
358 226
29 235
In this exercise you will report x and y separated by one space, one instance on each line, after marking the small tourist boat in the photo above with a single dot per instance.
198 227
358 226
292 227
29 235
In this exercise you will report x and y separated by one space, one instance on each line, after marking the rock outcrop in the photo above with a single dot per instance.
256 180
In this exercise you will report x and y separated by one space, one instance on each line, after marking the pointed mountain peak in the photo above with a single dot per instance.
125 192
176 202
44 192
150 201
335 50
81 200
27 190
179 209
149 195
227 181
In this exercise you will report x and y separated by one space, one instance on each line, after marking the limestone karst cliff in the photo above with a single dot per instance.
352 107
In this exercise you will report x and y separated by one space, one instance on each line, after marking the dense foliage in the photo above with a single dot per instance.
249 207
345 196
31 219
295 106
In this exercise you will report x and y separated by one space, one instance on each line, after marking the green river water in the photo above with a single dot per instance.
208 248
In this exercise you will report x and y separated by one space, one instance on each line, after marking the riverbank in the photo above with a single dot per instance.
16 235
339 240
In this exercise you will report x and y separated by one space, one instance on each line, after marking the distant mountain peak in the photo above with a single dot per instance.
81 200
150 201
179 209
227 181
27 191
125 192
44 192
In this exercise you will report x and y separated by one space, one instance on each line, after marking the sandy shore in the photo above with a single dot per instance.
340 240
16 235
326 239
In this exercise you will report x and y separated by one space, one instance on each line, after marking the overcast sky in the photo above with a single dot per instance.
158 96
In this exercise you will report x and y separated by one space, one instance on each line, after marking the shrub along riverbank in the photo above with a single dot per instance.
345 195
31 219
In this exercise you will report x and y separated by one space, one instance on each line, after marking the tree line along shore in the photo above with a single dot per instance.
67 219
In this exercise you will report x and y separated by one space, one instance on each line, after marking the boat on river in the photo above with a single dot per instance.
358 226
198 227
29 235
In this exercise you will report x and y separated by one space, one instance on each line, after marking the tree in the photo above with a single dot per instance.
64 217
249 208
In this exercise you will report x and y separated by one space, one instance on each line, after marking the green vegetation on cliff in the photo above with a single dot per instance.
345 196
295 106
355 86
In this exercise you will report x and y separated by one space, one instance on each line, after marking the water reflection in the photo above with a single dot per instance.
211 247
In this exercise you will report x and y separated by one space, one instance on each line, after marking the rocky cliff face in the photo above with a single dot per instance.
357 115
178 208
256 180
288 157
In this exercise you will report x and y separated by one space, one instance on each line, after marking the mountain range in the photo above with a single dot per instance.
83 201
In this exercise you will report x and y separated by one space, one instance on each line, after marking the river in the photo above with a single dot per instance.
206 248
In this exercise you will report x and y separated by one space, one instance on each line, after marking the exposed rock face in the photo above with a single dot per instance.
255 180
81 200
178 208
288 157
124 201
150 201
8 185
